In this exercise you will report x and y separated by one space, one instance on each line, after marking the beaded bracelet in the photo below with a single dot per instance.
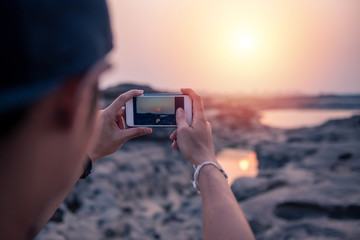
197 171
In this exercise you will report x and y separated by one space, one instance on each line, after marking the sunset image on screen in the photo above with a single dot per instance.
156 105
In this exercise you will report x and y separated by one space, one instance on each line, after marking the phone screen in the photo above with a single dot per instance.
156 110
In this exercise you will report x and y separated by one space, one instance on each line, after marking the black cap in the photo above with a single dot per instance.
45 41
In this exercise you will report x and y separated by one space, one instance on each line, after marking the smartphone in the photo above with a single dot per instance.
157 110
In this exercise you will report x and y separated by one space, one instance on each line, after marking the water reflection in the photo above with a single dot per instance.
297 118
238 163
244 164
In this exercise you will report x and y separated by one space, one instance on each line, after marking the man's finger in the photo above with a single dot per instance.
197 104
120 123
120 113
173 135
130 133
181 117
123 98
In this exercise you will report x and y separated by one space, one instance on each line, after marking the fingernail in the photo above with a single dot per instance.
139 91
147 130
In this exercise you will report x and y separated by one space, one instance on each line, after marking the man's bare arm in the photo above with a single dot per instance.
222 216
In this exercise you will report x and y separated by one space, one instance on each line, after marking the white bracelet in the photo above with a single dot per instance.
197 171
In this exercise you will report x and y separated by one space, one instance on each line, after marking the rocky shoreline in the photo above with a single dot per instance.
308 184
307 187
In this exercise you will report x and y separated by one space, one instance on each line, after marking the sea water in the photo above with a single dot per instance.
298 118
238 163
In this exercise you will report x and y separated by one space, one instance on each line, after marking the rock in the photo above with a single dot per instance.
57 216
110 233
340 157
319 200
167 207
345 156
125 230
247 187
238 117
258 226
306 231
153 234
134 190
114 92
172 217
127 210
277 155
307 188
349 123
298 210
319 204
72 202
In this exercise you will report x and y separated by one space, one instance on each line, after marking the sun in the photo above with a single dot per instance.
246 42
243 42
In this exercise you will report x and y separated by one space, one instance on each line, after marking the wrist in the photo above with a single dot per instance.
206 170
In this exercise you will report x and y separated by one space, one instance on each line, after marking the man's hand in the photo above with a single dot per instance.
112 131
195 141
222 216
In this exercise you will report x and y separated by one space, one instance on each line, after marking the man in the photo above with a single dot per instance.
54 52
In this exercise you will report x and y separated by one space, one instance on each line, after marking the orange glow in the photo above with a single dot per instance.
247 166
244 164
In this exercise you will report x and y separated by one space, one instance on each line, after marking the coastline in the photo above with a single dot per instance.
307 186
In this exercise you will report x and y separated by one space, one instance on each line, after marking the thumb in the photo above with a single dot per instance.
130 133
181 117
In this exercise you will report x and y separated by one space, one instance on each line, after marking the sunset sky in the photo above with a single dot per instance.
249 47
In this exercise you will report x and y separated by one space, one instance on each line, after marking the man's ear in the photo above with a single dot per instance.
67 102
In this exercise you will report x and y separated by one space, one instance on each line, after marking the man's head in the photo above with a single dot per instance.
53 53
